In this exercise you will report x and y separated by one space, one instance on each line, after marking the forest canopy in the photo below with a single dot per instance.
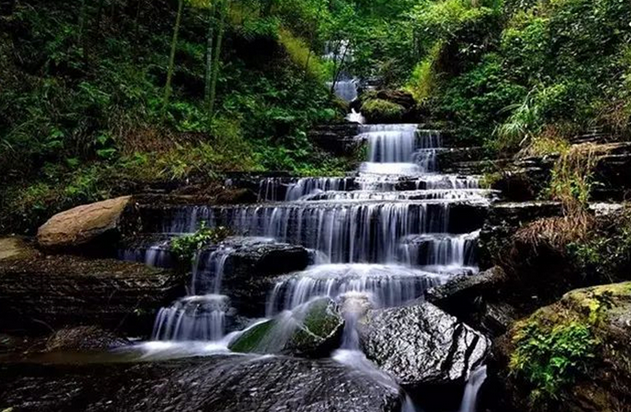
101 97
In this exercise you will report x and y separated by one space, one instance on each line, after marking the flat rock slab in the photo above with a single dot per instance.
13 247
421 345
43 293
226 384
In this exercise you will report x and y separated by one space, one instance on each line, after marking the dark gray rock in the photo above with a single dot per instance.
464 288
311 331
250 273
503 220
39 293
84 338
226 384
448 159
338 139
421 345
476 300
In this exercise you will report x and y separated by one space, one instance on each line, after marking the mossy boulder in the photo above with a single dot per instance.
573 355
312 330
382 111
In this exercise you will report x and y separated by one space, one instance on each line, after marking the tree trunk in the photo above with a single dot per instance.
209 61
83 11
99 15
225 4
176 32
338 68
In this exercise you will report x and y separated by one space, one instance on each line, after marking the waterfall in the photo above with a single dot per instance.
355 117
470 398
378 239
345 89
388 285
193 318
202 315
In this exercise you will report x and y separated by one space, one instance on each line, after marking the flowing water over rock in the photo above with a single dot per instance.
379 238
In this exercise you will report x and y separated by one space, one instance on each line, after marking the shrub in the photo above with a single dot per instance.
606 254
572 177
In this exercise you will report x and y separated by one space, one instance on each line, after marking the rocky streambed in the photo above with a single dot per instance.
365 293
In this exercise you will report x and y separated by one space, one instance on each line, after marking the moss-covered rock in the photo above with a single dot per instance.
382 111
312 330
571 356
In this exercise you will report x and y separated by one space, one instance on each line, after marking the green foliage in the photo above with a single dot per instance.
80 120
379 110
302 56
476 99
185 247
572 178
423 82
550 358
604 255
558 62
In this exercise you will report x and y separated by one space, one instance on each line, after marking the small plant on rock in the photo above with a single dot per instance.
552 358
185 247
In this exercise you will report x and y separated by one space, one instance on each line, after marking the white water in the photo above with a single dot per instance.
470 398
387 231
355 117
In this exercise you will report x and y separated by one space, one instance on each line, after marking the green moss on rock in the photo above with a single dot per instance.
379 110
573 355
310 331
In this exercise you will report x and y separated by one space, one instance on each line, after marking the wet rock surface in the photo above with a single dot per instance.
338 139
39 293
227 384
84 338
421 345
312 331
477 300
250 273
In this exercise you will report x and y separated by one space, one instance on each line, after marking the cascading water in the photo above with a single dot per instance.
380 239
201 316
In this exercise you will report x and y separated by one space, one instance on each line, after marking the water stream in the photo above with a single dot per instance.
383 236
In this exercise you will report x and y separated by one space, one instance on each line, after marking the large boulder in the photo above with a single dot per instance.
226 383
39 293
87 227
573 355
251 271
311 330
422 346
477 300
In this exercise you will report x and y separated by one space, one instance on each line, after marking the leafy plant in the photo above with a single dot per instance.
550 359
186 247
